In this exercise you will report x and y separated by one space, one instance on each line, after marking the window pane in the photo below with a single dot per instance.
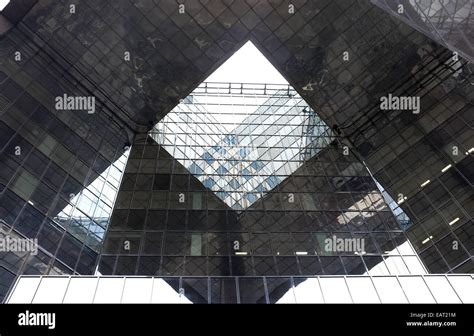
280 290
195 290
51 290
81 290
416 289
24 290
396 266
307 290
362 290
137 290
441 289
464 286
223 290
109 290
166 290
414 265
389 290
252 290
335 290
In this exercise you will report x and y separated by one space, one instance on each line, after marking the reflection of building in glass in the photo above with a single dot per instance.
255 156
91 232
254 193
448 22
60 170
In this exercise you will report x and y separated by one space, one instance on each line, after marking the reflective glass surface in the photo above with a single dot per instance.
208 201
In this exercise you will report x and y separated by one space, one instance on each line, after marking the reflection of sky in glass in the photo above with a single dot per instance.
401 216
87 215
240 164
242 140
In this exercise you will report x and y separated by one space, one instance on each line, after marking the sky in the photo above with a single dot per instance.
3 3
247 65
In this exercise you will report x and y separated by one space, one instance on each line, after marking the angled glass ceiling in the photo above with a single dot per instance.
241 138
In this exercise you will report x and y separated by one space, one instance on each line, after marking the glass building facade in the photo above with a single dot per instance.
58 180
157 182
267 197
448 22
257 153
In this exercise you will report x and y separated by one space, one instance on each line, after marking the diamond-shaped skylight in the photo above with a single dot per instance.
241 139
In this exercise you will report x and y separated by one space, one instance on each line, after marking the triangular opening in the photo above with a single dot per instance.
243 130
247 65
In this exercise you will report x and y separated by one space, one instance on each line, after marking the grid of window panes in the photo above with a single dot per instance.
322 289
425 162
384 53
167 222
435 189
60 173
263 146
446 22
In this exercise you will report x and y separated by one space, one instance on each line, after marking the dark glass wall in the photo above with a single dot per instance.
447 22
60 169
281 233
64 152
